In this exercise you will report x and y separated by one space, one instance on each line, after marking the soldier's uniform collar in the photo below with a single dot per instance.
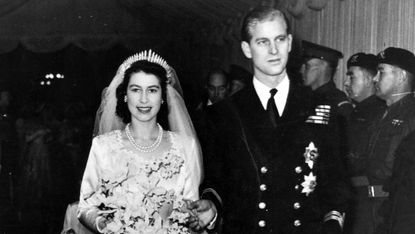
326 87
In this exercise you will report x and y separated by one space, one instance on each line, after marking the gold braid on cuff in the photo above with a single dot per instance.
335 215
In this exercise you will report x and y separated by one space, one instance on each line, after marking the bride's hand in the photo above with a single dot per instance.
185 208
205 212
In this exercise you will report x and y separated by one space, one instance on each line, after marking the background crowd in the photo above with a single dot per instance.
44 150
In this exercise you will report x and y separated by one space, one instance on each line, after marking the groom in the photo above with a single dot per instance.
272 163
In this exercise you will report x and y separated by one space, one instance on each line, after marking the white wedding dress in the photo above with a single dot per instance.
145 188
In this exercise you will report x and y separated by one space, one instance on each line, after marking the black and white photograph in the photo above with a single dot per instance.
207 116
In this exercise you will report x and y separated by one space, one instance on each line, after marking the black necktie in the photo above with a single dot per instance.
272 108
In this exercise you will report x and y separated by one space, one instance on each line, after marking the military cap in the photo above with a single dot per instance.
311 50
398 57
367 61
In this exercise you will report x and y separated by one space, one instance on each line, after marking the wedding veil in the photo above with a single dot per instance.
179 120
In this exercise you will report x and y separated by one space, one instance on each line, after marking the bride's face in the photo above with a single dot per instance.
144 96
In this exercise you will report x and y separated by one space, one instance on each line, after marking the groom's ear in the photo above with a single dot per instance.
246 49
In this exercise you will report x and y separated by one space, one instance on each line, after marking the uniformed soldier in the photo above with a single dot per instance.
360 86
318 69
275 166
320 64
400 206
394 85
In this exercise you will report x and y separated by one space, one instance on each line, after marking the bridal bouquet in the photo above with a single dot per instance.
135 204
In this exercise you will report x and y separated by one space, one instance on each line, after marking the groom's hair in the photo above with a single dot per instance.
260 14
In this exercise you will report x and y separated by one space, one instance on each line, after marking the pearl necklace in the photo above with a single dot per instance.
144 149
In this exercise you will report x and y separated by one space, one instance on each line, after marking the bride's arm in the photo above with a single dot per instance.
87 210
193 169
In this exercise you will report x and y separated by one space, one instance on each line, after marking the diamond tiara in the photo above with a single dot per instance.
150 56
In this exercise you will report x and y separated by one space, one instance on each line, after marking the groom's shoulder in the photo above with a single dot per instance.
230 105
220 110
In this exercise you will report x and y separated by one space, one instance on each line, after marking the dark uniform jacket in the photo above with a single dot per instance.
362 117
265 176
400 208
341 109
386 134
329 94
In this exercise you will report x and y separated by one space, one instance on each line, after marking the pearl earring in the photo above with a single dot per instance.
125 98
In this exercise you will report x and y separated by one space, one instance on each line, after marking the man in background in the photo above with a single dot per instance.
216 89
217 86
360 86
399 210
393 85
239 78
318 70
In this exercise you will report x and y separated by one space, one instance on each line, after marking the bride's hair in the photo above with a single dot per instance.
122 110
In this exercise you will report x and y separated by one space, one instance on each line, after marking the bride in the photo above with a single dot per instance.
144 164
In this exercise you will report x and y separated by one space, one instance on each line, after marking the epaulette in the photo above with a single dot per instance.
343 103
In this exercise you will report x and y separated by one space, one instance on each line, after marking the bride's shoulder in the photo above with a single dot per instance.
108 137
181 138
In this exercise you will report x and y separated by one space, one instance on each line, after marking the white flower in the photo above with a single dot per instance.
309 184
158 191
115 176
155 165
114 226
132 202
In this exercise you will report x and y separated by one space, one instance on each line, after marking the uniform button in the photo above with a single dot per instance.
263 187
297 205
261 223
298 169
264 170
297 223
297 187
262 205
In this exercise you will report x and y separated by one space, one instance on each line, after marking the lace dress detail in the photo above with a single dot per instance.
138 194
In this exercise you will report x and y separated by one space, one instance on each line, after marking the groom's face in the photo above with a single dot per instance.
269 47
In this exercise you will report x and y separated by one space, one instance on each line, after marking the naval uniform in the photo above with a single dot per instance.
286 179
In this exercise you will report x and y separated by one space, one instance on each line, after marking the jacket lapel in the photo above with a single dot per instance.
296 109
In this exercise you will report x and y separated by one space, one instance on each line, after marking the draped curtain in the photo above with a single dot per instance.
50 25
350 26
353 26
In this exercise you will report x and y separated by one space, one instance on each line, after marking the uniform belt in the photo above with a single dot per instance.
376 191
372 190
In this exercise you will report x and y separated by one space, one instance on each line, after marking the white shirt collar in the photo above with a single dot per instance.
280 97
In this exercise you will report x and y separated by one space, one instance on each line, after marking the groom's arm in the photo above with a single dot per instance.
213 147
